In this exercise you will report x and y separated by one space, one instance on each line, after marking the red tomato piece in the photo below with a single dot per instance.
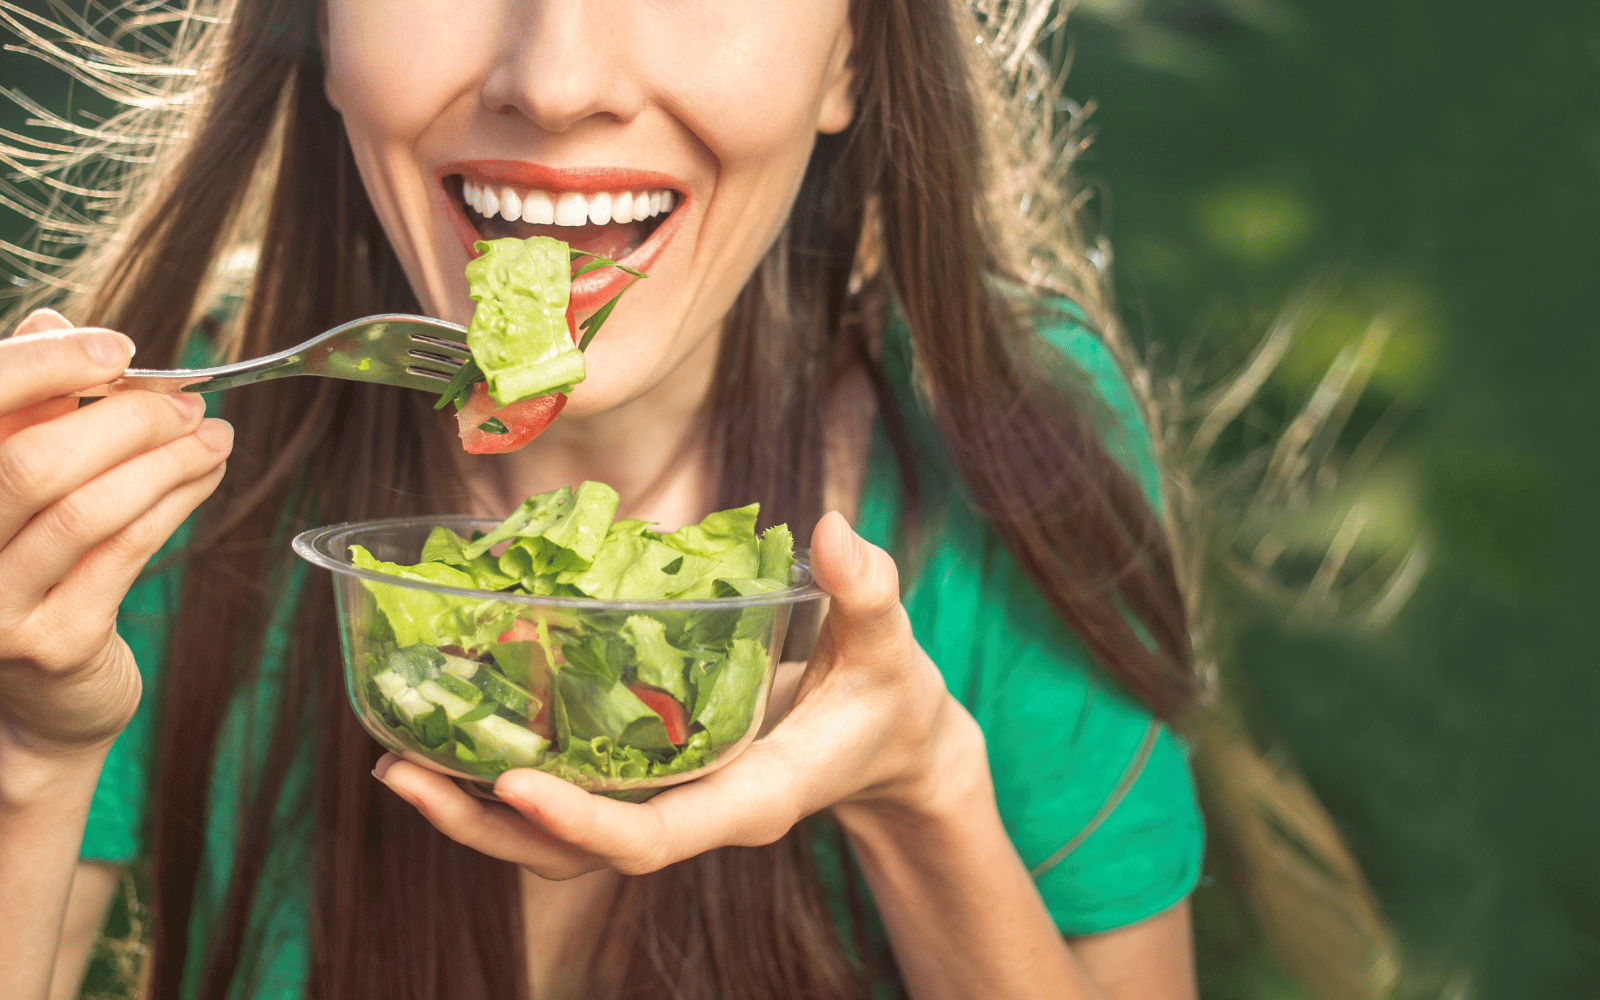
524 420
522 630
669 708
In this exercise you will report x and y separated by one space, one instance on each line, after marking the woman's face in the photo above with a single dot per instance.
669 134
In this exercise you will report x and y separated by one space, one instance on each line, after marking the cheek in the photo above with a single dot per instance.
393 67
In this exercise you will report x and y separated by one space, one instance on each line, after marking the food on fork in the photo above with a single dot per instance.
524 338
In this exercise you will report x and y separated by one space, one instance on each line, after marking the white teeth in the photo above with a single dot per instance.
510 205
539 209
572 210
569 208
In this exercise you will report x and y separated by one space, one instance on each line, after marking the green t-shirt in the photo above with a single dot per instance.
1097 797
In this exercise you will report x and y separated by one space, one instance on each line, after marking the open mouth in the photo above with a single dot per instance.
611 224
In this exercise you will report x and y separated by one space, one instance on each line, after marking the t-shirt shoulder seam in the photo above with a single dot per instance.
1130 777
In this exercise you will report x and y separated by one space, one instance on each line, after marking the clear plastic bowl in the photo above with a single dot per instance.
536 694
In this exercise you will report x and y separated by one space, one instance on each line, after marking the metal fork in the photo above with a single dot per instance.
413 352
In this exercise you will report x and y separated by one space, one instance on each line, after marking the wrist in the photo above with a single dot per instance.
30 776
944 788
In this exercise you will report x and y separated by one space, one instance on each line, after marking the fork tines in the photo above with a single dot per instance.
436 357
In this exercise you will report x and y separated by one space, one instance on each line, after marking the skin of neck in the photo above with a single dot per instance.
651 450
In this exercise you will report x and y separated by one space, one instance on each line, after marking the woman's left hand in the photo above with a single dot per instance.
872 728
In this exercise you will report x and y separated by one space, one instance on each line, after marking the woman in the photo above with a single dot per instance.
995 808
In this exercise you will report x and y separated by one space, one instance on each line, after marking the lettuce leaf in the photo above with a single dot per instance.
726 710
658 663
448 548
777 554
581 663
420 616
718 532
586 710
518 334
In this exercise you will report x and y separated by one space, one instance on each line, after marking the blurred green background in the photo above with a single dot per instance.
1437 163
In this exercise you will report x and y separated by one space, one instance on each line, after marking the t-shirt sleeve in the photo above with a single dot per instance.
1096 795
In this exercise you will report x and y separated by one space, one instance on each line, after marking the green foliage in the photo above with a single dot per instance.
1434 162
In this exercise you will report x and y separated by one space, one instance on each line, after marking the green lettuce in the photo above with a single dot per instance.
423 617
518 334
726 707
656 661
444 681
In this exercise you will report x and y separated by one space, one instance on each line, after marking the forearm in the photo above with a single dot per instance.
43 807
960 908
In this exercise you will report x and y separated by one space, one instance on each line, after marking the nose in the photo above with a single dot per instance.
562 62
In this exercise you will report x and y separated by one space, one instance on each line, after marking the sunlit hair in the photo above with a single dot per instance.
225 172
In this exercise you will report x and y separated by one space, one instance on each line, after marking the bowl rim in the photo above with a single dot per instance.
316 547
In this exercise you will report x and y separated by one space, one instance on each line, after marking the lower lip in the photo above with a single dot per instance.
596 288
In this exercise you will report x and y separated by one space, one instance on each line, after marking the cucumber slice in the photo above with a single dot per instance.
416 663
459 666
488 767
427 721
454 706
482 710
390 684
494 737
383 705
508 693
458 687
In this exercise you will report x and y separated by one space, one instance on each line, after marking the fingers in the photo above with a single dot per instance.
560 831
38 413
40 321
53 542
486 827
50 361
755 799
97 584
41 464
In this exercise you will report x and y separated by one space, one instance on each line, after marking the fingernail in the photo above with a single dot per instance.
108 349
189 404
217 434
382 767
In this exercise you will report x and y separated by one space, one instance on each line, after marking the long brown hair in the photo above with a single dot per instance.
266 157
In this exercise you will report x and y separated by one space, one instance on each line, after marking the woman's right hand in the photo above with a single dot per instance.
87 495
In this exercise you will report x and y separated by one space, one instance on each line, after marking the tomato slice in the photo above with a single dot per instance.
524 420
669 708
522 630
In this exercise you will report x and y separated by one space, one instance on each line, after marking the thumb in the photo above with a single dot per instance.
862 581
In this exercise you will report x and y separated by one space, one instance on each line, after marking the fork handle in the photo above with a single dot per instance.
175 380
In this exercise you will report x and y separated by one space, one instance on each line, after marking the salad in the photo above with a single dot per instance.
525 341
596 696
